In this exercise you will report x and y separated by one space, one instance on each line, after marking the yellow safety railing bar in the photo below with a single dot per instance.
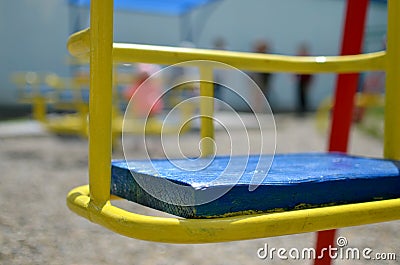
94 203
250 61
392 99
132 53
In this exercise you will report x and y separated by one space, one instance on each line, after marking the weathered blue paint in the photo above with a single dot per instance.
294 181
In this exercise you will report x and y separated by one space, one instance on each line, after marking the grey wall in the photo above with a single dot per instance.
33 38
146 28
285 24
34 33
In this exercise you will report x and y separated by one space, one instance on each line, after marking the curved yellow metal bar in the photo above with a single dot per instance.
250 61
176 230
79 44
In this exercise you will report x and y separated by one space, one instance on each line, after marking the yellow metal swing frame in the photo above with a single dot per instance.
93 201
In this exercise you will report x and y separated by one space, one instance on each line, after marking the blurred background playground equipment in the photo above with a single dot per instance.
50 93
368 113
200 25
61 104
369 105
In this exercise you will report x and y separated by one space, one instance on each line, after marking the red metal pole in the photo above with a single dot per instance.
346 87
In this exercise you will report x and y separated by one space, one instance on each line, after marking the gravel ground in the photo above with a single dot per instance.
38 170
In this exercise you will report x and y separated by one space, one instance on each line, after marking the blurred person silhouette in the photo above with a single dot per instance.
146 100
303 82
263 80
219 44
185 79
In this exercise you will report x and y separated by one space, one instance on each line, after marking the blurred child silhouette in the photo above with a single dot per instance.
263 80
303 82
145 92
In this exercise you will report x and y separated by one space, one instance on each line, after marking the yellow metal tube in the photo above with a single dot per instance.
176 230
392 100
122 52
39 108
100 111
206 110
250 61
79 43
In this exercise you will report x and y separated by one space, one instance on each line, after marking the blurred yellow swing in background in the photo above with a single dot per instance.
61 104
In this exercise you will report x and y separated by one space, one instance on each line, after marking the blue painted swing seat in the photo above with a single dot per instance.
294 181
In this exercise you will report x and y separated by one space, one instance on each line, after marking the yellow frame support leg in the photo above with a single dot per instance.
39 108
100 102
206 110
392 99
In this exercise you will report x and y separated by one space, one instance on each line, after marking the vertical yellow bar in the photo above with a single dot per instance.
392 99
39 108
206 110
101 39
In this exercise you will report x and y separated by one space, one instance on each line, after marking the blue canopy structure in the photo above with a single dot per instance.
178 8
170 7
